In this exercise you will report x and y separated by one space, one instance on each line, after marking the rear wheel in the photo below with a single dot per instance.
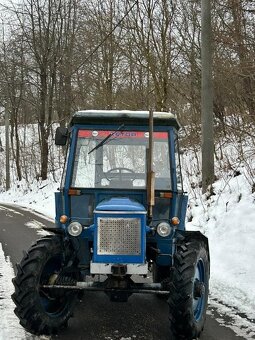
189 290
43 311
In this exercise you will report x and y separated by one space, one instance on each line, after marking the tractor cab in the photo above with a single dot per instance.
106 188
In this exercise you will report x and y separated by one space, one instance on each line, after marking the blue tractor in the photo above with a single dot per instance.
120 212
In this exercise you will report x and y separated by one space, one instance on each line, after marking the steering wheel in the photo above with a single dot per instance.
120 173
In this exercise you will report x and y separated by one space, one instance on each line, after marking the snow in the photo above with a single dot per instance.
226 215
38 197
114 113
228 222
10 328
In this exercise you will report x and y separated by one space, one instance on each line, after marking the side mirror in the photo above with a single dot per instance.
61 136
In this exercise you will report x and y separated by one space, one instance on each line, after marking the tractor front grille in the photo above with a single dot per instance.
119 236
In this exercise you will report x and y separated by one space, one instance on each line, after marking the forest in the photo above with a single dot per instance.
60 56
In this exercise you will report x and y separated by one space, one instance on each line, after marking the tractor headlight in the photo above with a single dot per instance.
164 229
74 228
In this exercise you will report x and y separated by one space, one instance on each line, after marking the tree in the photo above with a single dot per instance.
42 22
152 31
207 98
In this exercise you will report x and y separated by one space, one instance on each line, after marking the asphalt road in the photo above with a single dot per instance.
95 317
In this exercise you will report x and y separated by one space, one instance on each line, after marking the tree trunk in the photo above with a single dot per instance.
42 120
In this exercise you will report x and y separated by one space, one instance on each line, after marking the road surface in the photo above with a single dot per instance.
96 318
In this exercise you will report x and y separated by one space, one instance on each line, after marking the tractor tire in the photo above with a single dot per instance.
42 311
189 288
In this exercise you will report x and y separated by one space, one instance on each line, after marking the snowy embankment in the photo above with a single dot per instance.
226 216
228 220
38 196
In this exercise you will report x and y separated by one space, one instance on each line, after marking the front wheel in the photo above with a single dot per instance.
43 311
189 289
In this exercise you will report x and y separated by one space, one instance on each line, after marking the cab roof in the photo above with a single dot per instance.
109 117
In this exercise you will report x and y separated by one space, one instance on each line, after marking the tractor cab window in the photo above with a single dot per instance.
119 162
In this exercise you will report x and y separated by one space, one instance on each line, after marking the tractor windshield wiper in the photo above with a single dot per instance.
106 139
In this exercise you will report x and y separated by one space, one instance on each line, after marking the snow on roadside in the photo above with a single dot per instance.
10 329
228 316
38 196
227 217
9 324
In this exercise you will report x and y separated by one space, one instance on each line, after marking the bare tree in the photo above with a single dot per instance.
64 91
152 31
41 22
13 71
101 42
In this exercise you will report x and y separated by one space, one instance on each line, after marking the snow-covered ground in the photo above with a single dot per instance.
10 328
226 216
228 220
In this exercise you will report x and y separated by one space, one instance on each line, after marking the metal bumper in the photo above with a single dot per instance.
131 268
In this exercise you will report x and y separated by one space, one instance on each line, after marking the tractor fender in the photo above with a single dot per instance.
186 235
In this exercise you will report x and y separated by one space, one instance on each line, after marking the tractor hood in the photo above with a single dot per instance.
120 204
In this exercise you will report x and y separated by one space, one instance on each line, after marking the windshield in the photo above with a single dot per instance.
121 162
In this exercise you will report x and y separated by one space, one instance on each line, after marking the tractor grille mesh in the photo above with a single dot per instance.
119 236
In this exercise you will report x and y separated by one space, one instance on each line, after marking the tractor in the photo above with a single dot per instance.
120 214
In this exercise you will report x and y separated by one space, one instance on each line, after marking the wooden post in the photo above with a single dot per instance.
150 174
